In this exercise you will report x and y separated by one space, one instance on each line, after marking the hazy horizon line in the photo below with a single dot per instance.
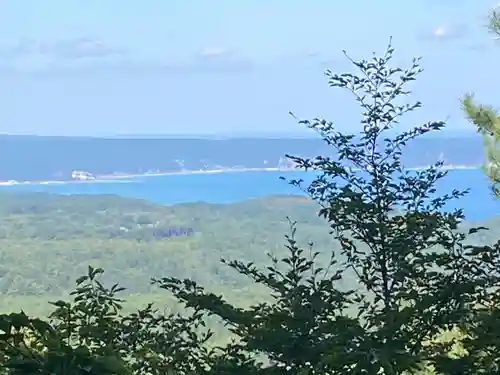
221 135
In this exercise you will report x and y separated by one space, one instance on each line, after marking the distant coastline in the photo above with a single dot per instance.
117 176
124 176
54 159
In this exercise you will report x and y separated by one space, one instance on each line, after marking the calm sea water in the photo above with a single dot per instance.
479 204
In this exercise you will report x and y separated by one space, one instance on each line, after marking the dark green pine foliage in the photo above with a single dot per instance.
394 235
486 119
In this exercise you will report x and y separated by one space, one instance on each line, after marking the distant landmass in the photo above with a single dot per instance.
37 158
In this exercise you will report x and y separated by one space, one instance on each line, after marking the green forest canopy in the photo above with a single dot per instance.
47 241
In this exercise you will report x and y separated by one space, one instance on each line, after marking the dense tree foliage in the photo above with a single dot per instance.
43 252
90 335
405 287
483 340
49 240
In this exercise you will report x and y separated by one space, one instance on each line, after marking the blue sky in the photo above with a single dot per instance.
98 67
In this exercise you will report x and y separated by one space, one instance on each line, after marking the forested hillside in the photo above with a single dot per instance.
46 241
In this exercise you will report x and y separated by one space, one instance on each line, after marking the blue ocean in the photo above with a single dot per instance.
231 187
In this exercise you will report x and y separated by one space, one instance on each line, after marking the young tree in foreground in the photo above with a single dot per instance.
91 336
415 278
395 239
487 120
